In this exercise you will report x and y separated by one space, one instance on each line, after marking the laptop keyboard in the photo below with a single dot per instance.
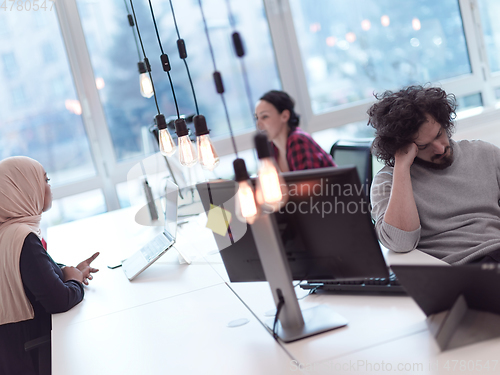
377 286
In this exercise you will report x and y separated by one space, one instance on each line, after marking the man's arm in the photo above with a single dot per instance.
401 210
393 206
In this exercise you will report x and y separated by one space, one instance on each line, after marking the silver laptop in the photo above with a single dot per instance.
159 245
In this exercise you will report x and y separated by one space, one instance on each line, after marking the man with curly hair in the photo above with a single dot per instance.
434 193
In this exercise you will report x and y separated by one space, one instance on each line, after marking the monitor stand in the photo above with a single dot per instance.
294 324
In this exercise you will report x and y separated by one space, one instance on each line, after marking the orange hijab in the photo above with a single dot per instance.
22 195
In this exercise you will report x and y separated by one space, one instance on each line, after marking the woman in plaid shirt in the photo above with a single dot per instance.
294 149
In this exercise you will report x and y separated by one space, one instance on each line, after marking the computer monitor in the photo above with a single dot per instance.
325 227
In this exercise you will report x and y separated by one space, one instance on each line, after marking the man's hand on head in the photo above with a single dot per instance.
406 155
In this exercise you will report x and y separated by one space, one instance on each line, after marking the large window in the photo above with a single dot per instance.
39 116
351 49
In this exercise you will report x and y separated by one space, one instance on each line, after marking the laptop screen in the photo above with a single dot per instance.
170 209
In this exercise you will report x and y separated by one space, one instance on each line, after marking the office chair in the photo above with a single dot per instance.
355 152
42 345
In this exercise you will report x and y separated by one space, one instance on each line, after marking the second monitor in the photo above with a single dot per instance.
325 227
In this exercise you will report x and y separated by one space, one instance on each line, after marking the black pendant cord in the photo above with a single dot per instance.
246 81
163 53
192 87
184 59
146 61
218 79
132 24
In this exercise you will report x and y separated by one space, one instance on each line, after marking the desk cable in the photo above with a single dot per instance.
281 303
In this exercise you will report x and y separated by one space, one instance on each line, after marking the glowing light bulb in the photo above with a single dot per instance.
146 86
246 201
206 152
166 143
144 80
272 190
247 209
187 155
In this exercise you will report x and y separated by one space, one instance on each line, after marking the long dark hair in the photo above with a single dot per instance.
281 101
397 117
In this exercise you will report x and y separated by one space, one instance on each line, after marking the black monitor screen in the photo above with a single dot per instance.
325 227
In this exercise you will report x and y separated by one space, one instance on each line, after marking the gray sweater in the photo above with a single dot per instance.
458 206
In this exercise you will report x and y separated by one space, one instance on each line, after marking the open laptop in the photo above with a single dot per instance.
159 245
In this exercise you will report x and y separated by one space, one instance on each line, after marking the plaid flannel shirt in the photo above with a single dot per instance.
302 152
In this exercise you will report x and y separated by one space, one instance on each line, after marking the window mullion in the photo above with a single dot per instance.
477 52
93 114
288 56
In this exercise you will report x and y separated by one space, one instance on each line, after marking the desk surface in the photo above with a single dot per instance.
186 334
173 318
116 236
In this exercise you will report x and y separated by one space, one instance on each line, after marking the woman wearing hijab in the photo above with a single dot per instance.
294 149
32 285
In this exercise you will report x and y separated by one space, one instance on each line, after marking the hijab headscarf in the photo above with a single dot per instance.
22 195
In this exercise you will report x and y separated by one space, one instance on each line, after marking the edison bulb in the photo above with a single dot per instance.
272 191
167 145
146 85
247 209
206 152
187 155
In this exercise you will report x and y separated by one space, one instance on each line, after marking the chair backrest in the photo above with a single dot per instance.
355 152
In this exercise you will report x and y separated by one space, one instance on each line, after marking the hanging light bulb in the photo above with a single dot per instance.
187 155
247 209
166 143
272 191
144 81
206 152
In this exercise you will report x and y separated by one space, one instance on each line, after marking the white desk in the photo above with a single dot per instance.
173 318
186 334
116 235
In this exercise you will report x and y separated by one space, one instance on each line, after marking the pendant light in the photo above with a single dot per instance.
207 155
272 191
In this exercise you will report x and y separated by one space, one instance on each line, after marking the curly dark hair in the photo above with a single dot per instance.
281 100
397 116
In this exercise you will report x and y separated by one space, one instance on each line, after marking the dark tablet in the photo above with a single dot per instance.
436 288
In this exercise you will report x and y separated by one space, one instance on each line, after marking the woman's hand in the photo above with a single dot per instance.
72 273
86 270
